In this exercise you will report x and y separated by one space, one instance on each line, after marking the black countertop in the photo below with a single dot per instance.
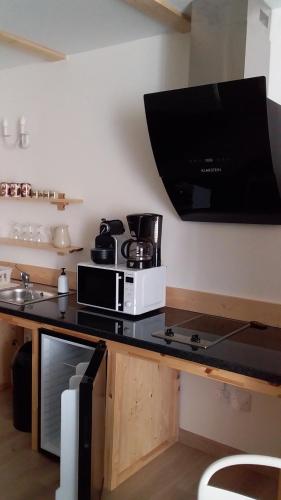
253 352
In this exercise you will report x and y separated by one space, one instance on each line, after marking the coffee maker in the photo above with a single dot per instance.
105 246
143 250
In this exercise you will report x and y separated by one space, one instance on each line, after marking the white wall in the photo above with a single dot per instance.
257 55
248 257
89 139
274 89
203 411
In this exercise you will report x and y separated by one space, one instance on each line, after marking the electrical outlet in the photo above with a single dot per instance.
240 400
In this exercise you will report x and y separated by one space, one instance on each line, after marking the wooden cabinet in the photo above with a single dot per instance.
139 415
140 412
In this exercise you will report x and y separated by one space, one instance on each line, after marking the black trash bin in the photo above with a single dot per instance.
22 380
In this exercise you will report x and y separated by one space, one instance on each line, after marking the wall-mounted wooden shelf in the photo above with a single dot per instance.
30 46
39 246
60 203
164 12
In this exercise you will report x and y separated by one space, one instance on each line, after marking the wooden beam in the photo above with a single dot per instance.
35 379
34 48
164 12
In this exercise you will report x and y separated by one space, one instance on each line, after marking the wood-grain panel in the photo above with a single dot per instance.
42 275
11 338
35 390
239 308
143 410
30 46
164 12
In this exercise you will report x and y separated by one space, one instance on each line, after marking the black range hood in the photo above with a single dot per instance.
218 151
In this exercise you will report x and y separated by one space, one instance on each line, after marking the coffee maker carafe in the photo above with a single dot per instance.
143 250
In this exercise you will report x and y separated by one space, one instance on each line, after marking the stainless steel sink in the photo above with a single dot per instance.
21 296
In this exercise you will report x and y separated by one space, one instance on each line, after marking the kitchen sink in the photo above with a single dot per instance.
21 296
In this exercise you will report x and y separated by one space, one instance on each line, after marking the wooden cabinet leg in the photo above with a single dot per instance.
11 338
35 375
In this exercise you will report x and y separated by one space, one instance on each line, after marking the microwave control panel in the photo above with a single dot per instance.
129 285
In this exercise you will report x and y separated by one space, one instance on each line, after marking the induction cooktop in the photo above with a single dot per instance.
181 334
200 331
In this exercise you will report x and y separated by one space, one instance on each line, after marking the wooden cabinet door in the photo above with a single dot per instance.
142 414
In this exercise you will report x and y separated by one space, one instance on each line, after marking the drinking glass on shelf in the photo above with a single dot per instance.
15 231
24 232
30 232
38 233
47 234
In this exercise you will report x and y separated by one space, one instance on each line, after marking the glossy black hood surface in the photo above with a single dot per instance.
217 150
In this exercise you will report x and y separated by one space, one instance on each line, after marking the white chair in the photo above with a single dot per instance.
206 492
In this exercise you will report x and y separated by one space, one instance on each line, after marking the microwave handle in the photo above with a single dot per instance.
117 278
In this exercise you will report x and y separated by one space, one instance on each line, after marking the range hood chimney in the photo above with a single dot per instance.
216 143
230 40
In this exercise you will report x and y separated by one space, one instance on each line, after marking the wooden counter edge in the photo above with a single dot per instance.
202 370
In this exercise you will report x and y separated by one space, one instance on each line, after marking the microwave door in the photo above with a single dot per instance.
92 392
102 288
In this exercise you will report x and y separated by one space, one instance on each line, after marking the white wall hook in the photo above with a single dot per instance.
22 136
5 132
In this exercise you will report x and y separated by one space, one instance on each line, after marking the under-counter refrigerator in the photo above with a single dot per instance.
72 394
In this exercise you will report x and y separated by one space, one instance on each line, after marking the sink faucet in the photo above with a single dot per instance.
25 279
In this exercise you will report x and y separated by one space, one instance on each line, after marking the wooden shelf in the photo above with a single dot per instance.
61 203
164 12
35 48
39 246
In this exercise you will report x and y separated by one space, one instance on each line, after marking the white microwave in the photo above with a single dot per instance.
119 289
